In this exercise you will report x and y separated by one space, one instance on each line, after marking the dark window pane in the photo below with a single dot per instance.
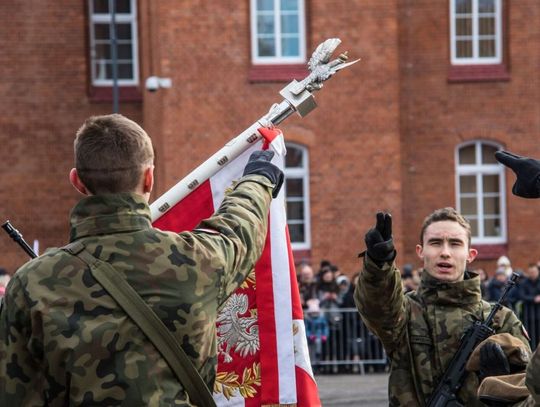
487 26
464 49
101 6
468 206
289 47
125 51
463 6
492 227
289 4
486 6
295 210
491 183
491 206
466 155
103 51
296 232
101 32
463 26
295 187
294 158
467 184
487 48
488 154
123 31
125 71
123 6
267 47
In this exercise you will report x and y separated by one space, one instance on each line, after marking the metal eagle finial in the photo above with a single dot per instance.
321 67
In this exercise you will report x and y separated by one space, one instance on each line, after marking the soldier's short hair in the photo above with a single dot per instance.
110 153
443 214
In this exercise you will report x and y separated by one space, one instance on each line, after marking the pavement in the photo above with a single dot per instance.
345 390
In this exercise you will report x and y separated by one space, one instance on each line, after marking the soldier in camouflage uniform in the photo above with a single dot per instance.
65 341
421 331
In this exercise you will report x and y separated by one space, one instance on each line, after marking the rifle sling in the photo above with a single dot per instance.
147 320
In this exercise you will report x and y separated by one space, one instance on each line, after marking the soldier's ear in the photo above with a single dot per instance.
148 179
420 251
77 183
472 255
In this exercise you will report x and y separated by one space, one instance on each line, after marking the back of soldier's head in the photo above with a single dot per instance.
445 214
111 153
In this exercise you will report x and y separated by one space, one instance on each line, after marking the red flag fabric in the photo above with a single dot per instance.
263 355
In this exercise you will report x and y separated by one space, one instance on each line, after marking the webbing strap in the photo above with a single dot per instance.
147 320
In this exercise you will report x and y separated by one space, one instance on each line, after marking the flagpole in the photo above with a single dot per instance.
298 97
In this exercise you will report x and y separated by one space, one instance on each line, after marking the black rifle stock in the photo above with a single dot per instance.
17 237
445 395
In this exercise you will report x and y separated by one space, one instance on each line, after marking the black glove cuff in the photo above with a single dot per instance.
268 170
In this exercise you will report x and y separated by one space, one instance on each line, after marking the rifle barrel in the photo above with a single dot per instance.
18 237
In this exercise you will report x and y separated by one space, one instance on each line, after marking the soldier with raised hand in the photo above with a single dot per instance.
65 341
421 330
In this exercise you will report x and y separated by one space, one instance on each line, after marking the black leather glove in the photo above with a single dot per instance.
493 361
527 170
379 243
259 164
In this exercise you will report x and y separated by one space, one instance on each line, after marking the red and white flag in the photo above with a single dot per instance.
270 364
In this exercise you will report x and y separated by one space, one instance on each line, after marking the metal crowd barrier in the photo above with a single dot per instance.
349 345
529 314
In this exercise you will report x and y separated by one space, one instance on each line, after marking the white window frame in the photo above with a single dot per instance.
303 173
119 18
475 59
478 170
278 58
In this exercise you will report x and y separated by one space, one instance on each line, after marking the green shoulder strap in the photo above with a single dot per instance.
147 320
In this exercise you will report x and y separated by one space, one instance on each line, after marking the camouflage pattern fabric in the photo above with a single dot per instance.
533 378
421 331
64 340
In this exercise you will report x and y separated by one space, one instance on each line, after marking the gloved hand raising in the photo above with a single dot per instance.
259 164
379 243
493 361
527 170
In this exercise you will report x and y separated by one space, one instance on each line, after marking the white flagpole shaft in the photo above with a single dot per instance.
216 162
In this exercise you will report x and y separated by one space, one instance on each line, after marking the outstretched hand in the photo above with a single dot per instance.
379 242
527 170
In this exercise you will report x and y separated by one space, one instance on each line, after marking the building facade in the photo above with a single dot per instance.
412 127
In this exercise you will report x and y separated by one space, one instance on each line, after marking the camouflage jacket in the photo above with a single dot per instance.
64 340
421 331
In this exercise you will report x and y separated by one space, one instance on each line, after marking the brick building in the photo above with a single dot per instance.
412 127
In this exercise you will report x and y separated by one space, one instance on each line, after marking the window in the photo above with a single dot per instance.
480 191
476 32
278 31
297 196
101 56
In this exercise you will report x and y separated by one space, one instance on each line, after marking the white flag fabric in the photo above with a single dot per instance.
267 363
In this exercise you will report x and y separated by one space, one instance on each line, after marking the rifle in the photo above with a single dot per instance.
18 237
445 395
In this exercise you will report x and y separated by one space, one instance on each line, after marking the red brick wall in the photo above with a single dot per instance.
436 116
44 99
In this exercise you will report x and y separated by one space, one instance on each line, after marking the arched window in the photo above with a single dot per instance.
297 195
480 190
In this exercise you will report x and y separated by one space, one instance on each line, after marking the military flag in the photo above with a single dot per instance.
263 357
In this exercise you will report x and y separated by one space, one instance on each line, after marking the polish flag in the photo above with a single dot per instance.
270 364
